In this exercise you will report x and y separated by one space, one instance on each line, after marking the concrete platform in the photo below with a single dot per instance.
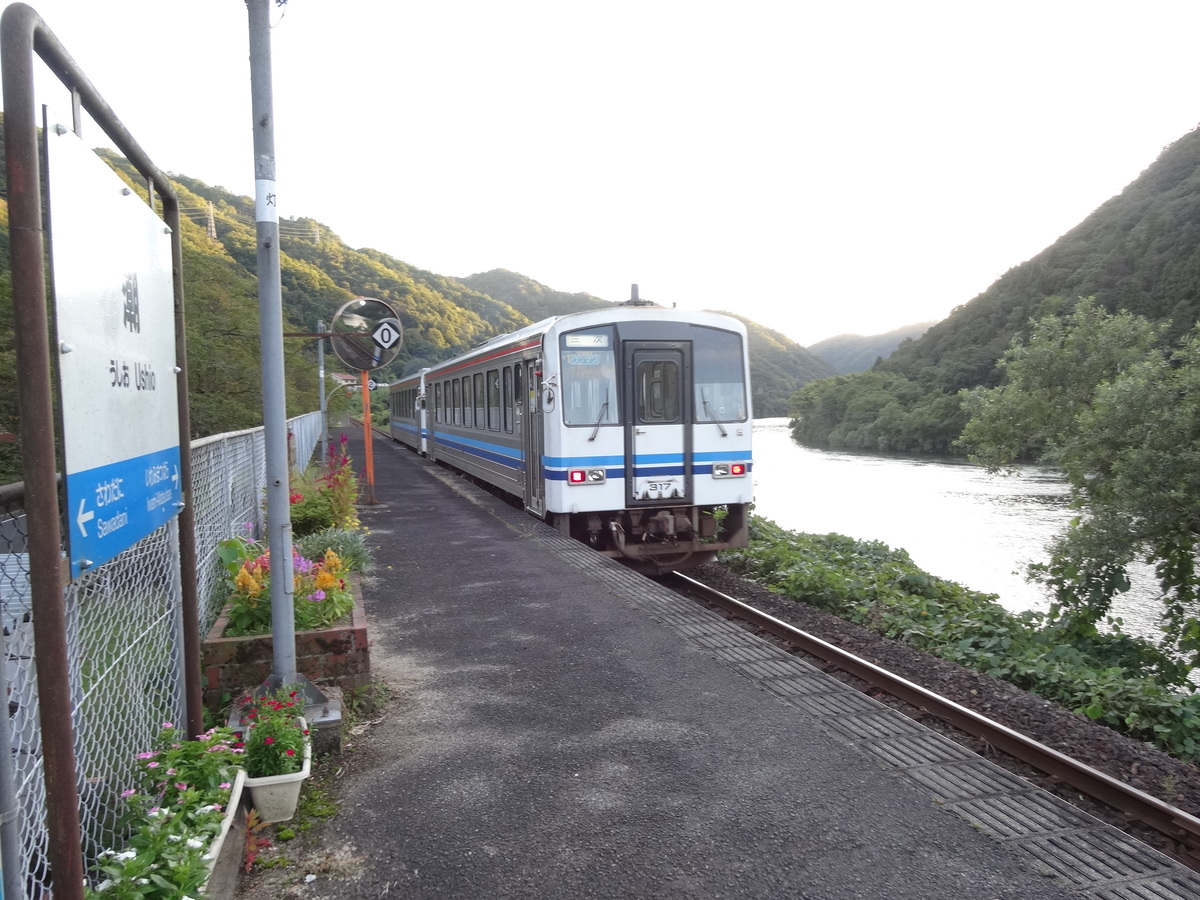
565 728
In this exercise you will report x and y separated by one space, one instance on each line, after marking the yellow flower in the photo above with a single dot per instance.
333 562
246 583
324 580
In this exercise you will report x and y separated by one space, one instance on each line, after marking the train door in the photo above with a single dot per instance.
422 422
530 389
658 462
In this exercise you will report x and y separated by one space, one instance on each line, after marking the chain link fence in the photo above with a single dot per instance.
124 632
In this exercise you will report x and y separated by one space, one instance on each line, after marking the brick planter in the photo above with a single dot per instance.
332 656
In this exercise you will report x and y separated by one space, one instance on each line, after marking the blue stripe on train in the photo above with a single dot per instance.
554 468
480 449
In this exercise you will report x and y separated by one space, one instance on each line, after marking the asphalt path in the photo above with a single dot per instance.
549 739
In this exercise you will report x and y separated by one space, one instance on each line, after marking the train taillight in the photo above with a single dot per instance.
586 476
729 470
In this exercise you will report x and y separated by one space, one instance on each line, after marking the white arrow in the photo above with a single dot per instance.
83 517
175 477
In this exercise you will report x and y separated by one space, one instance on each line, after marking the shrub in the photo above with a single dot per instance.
350 546
1122 681
321 596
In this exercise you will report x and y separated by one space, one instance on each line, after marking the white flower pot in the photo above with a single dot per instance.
231 808
276 796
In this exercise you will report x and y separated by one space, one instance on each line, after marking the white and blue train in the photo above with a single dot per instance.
627 428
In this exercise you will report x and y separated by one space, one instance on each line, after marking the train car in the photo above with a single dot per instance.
407 408
628 428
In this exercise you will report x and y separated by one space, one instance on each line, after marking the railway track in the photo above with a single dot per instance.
1180 827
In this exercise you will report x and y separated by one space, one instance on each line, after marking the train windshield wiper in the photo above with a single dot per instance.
711 414
600 418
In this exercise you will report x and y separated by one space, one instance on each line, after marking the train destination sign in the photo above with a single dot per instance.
115 318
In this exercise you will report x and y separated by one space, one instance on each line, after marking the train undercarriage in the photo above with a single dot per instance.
656 540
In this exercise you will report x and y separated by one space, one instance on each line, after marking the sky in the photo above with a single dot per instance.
820 167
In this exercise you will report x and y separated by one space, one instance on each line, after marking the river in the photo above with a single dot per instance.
955 520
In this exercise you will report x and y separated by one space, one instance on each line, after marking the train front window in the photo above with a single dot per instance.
720 385
589 378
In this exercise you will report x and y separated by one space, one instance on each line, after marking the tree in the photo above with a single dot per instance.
1094 393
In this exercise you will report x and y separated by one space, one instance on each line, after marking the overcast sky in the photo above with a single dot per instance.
821 167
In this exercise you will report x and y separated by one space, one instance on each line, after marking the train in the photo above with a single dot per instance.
627 428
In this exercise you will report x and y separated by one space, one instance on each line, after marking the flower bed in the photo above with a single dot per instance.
179 813
335 656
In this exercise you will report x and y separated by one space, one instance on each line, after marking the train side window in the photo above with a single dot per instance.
437 403
480 402
457 403
468 418
493 399
507 399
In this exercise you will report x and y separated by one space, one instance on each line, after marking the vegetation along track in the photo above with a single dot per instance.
1174 831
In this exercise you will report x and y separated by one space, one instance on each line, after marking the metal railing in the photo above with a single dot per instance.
124 625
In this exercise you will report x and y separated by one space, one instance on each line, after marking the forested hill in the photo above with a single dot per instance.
848 353
533 300
1139 252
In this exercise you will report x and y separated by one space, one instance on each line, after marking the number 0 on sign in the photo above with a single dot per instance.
115 316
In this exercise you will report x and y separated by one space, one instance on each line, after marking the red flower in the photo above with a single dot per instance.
290 752
268 740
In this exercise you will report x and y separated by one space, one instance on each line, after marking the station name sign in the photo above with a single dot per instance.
115 321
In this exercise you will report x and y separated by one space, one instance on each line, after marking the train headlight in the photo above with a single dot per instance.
729 470
586 476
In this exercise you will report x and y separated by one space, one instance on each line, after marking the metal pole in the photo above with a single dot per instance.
270 311
193 691
321 390
31 337
367 426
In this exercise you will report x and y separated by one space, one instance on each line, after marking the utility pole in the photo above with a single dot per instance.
270 311
321 391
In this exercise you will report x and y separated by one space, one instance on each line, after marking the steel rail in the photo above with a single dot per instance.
1134 804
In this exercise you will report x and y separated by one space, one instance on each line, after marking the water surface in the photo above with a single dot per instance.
954 519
